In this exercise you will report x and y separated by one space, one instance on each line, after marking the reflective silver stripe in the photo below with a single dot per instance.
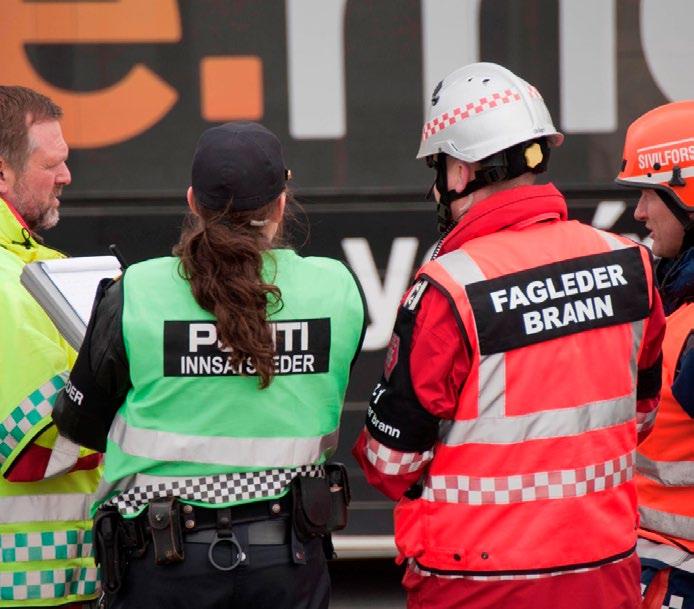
235 452
637 337
461 267
615 244
64 456
637 333
45 508
492 386
544 424
670 524
645 420
657 177
669 473
492 369
665 553
613 241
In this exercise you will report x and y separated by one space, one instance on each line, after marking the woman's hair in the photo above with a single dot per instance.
221 256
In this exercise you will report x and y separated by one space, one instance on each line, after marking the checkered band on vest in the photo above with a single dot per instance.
28 413
48 584
222 488
502 490
45 545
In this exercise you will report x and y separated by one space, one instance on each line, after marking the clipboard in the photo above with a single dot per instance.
66 288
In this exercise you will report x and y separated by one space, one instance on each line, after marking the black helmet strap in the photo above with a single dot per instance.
507 164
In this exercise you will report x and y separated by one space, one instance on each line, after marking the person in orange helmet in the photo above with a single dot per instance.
659 161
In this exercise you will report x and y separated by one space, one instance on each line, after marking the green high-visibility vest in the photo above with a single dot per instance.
190 413
45 531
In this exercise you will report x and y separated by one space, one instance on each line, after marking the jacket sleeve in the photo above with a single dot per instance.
35 362
100 379
650 366
427 362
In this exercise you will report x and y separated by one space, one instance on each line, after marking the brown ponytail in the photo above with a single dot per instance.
221 257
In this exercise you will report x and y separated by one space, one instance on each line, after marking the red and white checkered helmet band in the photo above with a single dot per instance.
482 109
447 119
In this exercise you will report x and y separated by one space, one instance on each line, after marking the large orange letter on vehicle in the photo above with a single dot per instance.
116 113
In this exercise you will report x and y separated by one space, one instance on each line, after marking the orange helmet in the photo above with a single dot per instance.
659 153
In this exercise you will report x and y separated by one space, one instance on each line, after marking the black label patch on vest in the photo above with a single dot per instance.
559 299
191 348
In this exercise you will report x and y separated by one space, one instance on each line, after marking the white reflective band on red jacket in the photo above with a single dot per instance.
645 420
544 424
670 555
669 473
674 525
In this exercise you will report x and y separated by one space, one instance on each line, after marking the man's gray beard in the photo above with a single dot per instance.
43 220
48 219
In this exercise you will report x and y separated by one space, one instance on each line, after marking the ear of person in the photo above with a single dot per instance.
190 198
278 214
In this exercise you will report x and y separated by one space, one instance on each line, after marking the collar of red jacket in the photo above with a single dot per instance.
508 209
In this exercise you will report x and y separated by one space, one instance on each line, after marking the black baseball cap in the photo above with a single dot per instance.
239 161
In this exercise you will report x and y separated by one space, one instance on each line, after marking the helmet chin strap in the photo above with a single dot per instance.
530 156
444 215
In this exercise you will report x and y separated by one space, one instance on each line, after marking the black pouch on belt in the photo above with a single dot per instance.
320 504
311 506
164 519
340 496
109 552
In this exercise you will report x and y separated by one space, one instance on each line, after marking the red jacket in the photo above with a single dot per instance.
431 372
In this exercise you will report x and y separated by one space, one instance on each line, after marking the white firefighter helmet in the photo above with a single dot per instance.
481 109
